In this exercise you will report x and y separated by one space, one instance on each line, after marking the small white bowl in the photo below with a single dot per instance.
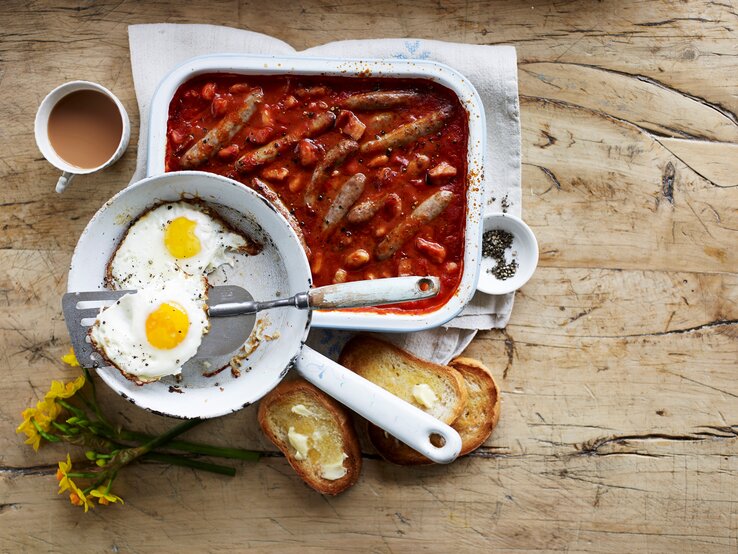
524 250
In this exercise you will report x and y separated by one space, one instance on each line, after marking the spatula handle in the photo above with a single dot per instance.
373 292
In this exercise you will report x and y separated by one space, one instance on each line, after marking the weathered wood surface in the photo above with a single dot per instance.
619 368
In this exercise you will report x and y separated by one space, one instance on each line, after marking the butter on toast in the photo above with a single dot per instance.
436 389
474 425
315 433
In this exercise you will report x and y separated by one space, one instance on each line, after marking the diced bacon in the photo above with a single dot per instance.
208 91
275 173
393 205
260 136
441 172
229 152
418 165
430 249
350 125
219 106
308 152
400 160
178 137
239 88
265 117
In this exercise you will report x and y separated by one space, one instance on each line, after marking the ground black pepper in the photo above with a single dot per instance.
495 243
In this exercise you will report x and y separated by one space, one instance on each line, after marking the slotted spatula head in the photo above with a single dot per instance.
226 335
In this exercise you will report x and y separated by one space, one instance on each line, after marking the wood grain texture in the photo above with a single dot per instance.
619 426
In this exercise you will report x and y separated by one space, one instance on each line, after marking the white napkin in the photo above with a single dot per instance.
157 49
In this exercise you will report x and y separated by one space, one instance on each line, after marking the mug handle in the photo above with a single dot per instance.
64 181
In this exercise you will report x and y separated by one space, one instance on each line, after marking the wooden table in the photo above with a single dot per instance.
619 428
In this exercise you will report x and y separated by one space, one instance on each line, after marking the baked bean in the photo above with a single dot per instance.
340 276
275 173
405 267
378 161
316 264
357 258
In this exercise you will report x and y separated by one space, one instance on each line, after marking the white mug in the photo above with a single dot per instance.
42 134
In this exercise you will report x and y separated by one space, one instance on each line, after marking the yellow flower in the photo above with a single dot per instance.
43 414
61 475
76 495
104 496
70 359
79 499
65 390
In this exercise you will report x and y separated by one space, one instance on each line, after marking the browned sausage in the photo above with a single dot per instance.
223 132
333 158
365 210
269 152
380 100
409 132
430 209
347 195
268 192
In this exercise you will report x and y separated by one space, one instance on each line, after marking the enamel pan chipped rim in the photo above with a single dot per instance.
102 234
281 65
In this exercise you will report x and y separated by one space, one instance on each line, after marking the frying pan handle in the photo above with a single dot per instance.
404 421
374 292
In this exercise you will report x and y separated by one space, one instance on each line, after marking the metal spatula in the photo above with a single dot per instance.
232 309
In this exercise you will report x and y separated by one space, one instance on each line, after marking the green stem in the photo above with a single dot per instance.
74 409
187 462
193 448
169 435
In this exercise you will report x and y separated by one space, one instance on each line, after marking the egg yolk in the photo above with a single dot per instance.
167 326
180 238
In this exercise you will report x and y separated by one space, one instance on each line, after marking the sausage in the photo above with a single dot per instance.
430 209
269 152
365 210
223 132
267 192
333 158
410 132
380 100
347 195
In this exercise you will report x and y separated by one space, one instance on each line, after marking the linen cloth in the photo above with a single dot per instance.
156 49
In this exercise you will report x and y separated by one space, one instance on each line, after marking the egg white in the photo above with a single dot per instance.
119 331
143 258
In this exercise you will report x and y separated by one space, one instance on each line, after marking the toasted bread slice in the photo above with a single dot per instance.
436 389
475 424
315 433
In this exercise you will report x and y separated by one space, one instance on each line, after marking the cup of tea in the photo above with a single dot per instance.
81 127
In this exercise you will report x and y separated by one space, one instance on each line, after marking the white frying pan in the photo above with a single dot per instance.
281 269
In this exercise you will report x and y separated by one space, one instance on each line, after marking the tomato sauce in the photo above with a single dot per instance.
398 178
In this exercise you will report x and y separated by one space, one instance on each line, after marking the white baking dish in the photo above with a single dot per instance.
278 65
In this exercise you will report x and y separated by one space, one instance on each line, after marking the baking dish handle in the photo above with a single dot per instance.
400 419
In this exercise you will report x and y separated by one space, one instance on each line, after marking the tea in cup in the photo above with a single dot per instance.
81 127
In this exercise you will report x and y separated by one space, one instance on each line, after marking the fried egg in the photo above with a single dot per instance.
170 239
153 332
